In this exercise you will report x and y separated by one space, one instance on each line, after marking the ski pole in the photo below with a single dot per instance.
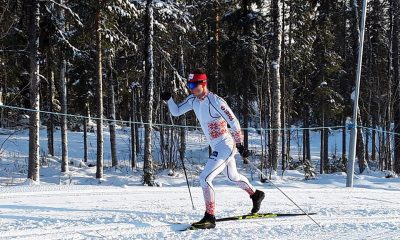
187 182
262 174
184 170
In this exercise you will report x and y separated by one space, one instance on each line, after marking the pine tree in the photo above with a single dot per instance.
396 80
63 96
33 7
99 91
275 80
112 115
148 176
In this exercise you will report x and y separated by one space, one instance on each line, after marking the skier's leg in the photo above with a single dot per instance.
234 176
211 170
215 165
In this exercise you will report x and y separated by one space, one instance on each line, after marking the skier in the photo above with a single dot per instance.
214 114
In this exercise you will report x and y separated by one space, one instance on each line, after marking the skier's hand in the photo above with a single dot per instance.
165 96
244 152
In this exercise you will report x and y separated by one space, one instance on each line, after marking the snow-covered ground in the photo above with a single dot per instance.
137 212
77 206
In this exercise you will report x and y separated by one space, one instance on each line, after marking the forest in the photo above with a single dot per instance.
96 65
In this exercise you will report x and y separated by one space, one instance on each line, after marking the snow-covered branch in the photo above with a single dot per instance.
69 10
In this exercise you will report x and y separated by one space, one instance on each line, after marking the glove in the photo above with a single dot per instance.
165 96
244 152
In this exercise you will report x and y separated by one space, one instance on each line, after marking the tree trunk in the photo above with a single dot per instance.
133 128
306 135
396 77
85 140
213 33
182 119
63 99
344 133
283 132
64 128
275 81
148 176
322 141
246 117
388 148
360 147
85 124
138 118
50 121
381 148
373 140
99 94
34 120
326 148
3 94
284 93
111 109
268 118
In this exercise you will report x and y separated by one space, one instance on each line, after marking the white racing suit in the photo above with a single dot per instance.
214 114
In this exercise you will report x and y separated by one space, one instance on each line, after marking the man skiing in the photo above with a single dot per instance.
214 115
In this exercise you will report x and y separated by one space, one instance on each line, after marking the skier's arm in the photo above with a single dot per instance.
226 112
185 106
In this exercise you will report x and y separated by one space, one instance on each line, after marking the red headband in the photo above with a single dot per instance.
197 77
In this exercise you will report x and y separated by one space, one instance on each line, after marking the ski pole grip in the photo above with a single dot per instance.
246 160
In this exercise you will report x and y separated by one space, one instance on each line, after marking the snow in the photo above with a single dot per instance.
75 205
275 65
353 95
137 212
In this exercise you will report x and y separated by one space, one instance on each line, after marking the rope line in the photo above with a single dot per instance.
348 126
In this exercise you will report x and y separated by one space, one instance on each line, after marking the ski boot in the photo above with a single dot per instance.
207 222
257 198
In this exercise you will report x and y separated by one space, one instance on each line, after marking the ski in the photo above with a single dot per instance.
261 215
252 216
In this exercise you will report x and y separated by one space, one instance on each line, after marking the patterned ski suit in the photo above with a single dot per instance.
214 115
